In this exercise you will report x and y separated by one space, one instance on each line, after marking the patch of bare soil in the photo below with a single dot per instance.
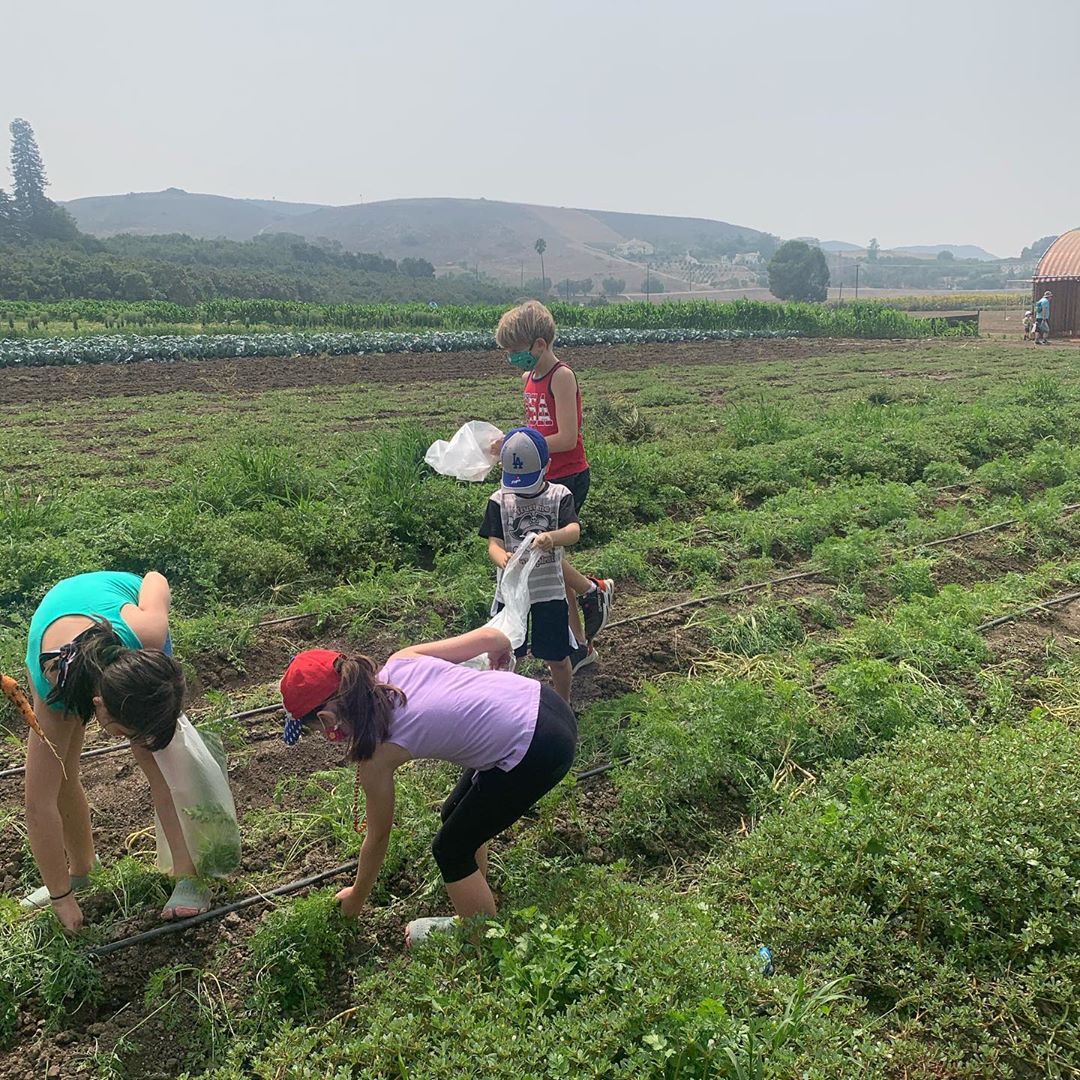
1026 643
256 375
636 652
981 558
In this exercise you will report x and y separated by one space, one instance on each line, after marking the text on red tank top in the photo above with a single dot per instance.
541 413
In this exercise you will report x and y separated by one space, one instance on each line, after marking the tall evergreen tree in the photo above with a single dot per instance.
7 214
34 215
27 170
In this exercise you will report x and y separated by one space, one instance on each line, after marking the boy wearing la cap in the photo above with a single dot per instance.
528 503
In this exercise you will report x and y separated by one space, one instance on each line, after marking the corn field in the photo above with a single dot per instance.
953 301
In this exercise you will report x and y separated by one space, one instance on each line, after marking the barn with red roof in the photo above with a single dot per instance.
1059 271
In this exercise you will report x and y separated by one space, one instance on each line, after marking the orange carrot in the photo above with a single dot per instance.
13 692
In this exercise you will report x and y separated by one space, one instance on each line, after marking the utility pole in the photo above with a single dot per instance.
647 292
856 280
840 275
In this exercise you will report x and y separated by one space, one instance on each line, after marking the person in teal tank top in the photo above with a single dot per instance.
99 647
100 595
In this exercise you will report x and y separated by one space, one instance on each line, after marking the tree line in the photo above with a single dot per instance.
45 257
800 271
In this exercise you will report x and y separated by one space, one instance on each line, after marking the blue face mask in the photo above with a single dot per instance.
523 361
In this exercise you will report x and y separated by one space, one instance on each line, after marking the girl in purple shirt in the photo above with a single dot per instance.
514 737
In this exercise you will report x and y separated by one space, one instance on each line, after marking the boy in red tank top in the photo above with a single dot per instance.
553 407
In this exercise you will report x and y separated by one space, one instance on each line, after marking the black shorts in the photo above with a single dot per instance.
548 632
578 485
485 803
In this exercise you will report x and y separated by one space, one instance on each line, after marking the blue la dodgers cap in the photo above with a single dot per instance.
524 458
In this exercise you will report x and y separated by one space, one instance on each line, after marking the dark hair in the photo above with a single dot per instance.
143 689
366 704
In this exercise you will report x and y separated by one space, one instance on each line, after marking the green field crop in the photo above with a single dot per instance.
393 325
127 348
955 301
846 767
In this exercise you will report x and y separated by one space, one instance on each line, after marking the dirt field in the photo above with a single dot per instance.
256 375
675 643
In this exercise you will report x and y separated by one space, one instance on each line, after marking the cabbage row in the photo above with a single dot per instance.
130 348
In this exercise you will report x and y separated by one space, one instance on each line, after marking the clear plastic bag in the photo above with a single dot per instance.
513 620
468 455
193 765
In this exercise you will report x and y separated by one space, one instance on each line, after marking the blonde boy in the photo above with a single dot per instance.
553 407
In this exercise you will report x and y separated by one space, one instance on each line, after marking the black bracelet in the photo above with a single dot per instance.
62 895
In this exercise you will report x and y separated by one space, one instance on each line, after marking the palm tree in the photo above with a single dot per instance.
540 247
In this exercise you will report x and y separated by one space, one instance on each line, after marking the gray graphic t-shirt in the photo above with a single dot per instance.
511 517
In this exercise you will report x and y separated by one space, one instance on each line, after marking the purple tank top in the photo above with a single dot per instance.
477 719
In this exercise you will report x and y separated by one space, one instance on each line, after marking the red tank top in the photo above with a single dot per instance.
540 413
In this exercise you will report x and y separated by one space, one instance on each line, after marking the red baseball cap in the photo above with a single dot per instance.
310 681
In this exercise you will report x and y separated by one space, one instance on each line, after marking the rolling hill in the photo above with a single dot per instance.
151 213
463 234
919 251
959 251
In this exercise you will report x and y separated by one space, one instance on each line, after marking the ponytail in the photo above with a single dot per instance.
79 667
366 705
142 689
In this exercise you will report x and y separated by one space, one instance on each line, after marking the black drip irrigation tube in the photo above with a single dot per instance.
588 774
1001 619
579 778
697 601
282 890
217 913
682 605
18 770
115 748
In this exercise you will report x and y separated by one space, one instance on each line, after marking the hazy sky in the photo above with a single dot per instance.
917 122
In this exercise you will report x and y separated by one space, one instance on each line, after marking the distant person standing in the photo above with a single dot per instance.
1042 319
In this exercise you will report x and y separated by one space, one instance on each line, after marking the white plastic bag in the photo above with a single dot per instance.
194 768
513 620
467 456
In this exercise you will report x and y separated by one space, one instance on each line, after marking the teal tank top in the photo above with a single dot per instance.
101 595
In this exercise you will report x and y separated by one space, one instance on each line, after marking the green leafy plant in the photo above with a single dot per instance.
293 954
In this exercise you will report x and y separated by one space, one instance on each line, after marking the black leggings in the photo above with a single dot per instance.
484 803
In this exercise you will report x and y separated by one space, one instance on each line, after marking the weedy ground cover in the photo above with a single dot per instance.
854 776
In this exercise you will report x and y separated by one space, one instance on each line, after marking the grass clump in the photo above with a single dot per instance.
618 420
37 959
619 993
295 953
700 751
942 877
